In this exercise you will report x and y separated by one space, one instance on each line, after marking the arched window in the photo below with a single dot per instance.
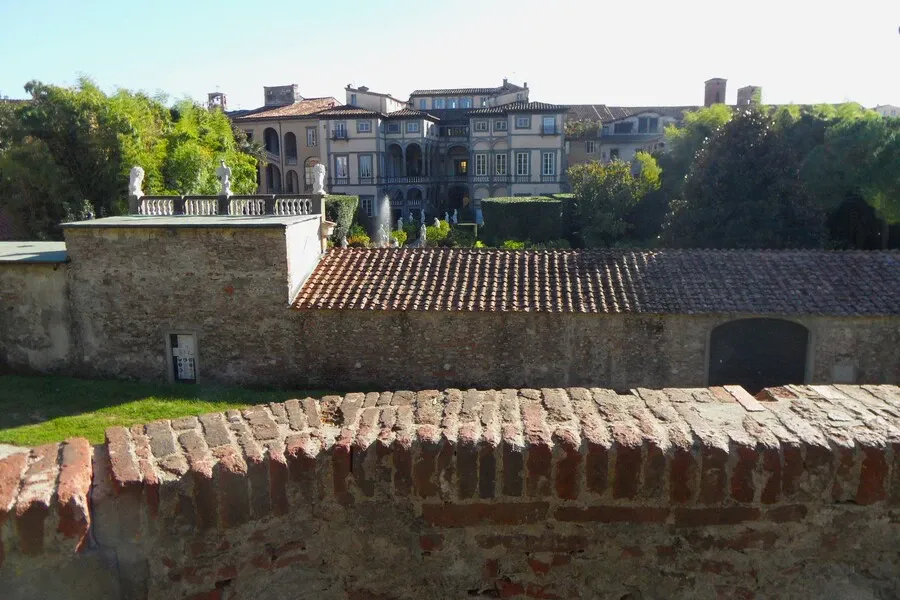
758 353
292 182
290 148
270 141
273 179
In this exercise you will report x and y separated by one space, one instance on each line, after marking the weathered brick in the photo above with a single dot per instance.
487 468
612 514
230 476
72 490
568 465
215 430
482 513
35 498
730 515
873 476
261 424
742 485
513 470
125 472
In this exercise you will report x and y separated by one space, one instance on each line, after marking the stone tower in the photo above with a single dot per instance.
715 91
216 100
749 94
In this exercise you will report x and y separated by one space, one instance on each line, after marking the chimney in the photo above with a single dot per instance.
505 82
714 92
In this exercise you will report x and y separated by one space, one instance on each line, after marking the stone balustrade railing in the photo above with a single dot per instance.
250 205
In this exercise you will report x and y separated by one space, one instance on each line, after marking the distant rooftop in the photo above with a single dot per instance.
33 252
482 91
515 107
303 108
607 114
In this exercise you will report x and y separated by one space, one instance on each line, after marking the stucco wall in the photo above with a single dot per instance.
34 317
373 349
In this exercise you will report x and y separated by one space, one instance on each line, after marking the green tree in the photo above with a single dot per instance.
604 194
744 190
68 151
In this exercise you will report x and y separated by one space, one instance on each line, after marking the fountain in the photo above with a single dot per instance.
382 223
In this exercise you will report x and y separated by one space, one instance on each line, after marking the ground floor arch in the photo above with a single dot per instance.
758 353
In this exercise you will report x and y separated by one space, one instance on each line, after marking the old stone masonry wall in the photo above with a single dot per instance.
552 493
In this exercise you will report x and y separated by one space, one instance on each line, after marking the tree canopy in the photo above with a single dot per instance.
68 151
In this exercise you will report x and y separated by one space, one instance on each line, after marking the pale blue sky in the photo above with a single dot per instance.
624 53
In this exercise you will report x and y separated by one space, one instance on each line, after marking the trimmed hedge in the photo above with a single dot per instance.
341 210
538 219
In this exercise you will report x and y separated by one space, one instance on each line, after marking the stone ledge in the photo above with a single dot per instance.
687 457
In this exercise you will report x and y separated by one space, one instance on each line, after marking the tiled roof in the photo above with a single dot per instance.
347 111
514 107
409 113
302 108
760 282
483 91
608 114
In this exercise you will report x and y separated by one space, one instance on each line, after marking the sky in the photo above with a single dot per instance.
590 52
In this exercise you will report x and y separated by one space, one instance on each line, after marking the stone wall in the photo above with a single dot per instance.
35 318
375 349
553 493
230 286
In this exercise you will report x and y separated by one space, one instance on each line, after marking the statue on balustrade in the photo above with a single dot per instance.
224 175
135 181
319 180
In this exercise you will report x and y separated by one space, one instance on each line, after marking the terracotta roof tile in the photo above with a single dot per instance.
513 107
482 91
409 113
302 108
347 111
763 282
609 114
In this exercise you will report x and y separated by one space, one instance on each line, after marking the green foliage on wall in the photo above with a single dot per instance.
69 150
341 211
534 218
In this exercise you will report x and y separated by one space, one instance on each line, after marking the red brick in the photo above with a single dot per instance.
612 514
627 471
12 468
467 469
340 466
732 515
682 476
229 572
301 452
204 500
742 487
654 481
872 476
771 468
538 567
293 559
499 513
487 470
402 457
508 589
490 569
665 551
513 465
423 470
632 552
278 478
713 475
125 472
544 592
539 463
568 465
845 487
430 542
72 490
894 486
215 594
787 513
596 468
792 471
231 481
546 542
30 527
716 567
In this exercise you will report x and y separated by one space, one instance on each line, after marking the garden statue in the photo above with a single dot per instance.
454 218
319 180
446 216
224 175
422 235
400 223
395 243
135 181
422 218
381 237
343 241
437 223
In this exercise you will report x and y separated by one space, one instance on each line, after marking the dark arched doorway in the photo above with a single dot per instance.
758 353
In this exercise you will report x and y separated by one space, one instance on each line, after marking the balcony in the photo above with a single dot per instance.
550 179
521 178
339 134
340 181
290 160
273 156
550 130
366 181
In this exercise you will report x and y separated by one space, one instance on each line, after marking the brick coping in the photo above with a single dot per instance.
463 458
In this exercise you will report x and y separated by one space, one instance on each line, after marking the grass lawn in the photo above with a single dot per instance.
37 410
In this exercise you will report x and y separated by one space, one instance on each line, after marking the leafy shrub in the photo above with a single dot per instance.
400 236
356 231
358 241
562 244
340 210
462 237
537 218
513 245
437 235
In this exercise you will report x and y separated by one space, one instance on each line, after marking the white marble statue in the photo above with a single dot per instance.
343 241
454 218
381 237
446 216
437 223
422 235
135 181
224 175
319 180
422 217
400 223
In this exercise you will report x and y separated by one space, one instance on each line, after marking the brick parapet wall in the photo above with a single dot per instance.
517 487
